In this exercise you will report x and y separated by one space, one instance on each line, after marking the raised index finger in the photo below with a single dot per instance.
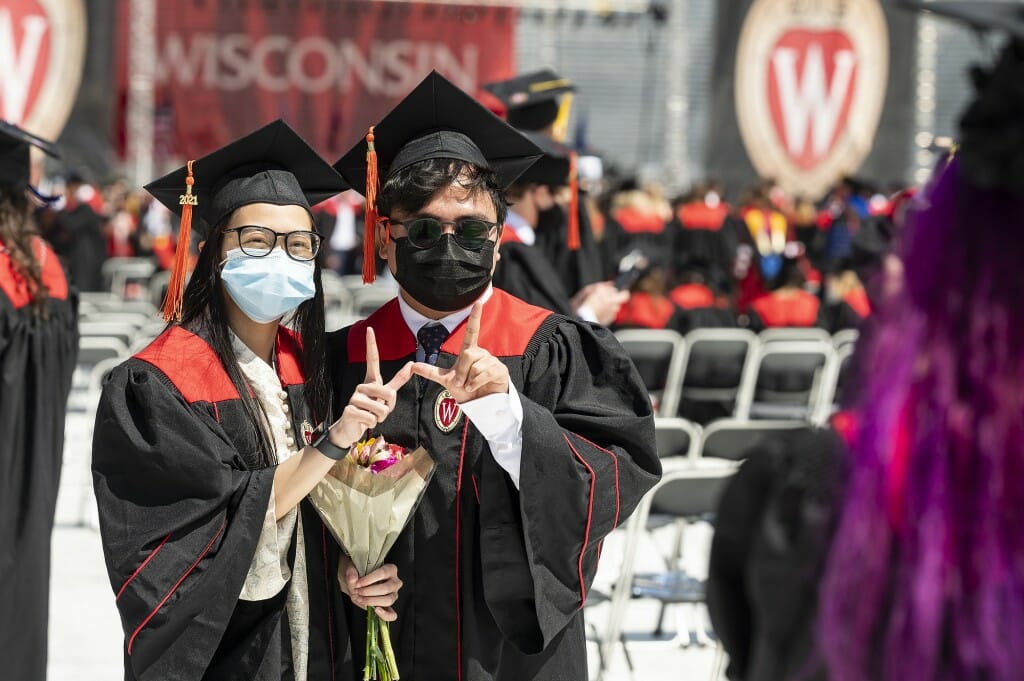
372 358
473 327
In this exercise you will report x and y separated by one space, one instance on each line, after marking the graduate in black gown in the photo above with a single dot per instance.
38 349
539 102
205 443
539 424
524 270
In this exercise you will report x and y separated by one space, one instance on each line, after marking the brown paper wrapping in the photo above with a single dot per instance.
367 511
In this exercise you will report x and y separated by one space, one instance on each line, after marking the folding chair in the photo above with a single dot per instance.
716 360
660 357
687 494
676 438
158 287
128 278
787 380
794 333
846 337
834 395
122 332
735 439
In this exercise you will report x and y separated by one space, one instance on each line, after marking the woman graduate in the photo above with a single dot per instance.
205 441
539 425
38 347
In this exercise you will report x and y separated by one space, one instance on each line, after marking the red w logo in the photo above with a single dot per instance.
24 57
811 82
446 411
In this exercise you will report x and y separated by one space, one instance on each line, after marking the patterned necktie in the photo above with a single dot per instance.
430 337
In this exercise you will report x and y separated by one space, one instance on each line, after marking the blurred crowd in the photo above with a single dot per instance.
692 261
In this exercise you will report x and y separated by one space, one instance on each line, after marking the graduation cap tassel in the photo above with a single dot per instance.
369 236
574 205
179 270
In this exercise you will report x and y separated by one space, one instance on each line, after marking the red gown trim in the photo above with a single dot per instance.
644 310
590 515
692 296
699 215
635 221
174 588
152 554
799 309
497 335
15 287
191 364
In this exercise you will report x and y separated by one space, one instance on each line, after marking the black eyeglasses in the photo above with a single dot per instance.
257 242
470 233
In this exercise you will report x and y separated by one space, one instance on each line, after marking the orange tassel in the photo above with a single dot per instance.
179 270
574 205
369 236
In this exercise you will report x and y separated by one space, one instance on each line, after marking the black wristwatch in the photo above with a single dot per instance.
324 445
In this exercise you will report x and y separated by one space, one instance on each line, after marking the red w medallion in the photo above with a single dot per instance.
446 412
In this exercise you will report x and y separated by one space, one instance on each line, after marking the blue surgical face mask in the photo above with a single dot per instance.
267 288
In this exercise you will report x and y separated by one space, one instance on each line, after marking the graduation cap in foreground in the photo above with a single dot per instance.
534 100
15 156
435 120
1005 15
271 165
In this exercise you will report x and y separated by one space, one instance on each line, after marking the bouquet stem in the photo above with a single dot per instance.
380 655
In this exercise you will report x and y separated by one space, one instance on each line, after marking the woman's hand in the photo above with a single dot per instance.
372 400
378 590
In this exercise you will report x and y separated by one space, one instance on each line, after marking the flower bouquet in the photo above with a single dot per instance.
366 500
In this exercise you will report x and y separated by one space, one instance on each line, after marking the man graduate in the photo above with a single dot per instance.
525 271
539 424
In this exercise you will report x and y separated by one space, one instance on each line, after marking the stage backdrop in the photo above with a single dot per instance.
806 91
329 68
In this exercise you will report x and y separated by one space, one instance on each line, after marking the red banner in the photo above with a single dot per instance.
330 68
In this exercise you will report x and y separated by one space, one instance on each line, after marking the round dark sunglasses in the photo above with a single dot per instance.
257 242
470 233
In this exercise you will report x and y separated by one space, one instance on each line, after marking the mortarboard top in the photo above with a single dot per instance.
435 120
532 99
15 161
553 167
271 165
1007 15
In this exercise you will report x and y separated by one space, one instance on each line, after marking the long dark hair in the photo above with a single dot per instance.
16 235
204 312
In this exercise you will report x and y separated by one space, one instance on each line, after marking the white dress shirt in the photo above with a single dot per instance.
498 417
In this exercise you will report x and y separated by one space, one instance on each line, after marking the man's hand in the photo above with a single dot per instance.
378 590
372 400
602 299
477 373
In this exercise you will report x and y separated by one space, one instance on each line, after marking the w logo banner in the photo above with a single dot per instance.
42 51
810 84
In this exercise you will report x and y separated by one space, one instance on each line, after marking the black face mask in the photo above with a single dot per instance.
445 277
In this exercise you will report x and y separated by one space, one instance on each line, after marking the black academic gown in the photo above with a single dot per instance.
575 267
495 578
524 272
182 503
37 359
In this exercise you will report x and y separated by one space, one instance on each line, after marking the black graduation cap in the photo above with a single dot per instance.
271 165
435 120
531 99
15 161
980 14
